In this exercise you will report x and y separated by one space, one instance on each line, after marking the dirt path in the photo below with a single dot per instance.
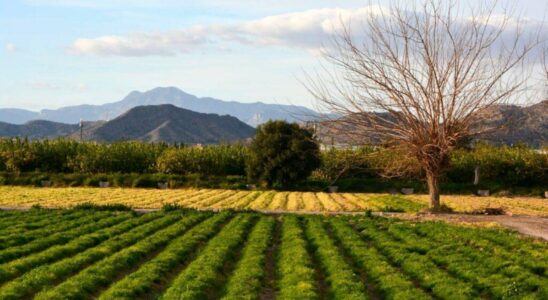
528 225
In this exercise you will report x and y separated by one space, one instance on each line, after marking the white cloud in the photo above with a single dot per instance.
141 44
307 30
310 30
10 47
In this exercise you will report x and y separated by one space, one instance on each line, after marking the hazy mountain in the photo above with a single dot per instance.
168 123
17 116
250 113
37 129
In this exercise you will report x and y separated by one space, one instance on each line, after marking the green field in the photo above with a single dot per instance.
86 254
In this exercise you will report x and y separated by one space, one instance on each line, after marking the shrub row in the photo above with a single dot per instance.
68 156
187 166
517 165
134 180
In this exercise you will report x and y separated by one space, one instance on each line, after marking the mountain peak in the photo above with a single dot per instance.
169 90
169 123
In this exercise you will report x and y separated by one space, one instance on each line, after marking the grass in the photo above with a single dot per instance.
185 254
121 199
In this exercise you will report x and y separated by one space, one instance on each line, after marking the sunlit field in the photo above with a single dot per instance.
88 254
13 197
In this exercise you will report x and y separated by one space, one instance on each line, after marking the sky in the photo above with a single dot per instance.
57 53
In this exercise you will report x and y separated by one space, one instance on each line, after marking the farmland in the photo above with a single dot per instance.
258 200
77 254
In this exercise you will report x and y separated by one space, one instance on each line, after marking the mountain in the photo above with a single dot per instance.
151 123
37 129
508 124
250 113
516 124
17 116
168 123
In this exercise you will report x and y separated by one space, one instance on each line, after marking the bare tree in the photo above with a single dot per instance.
419 76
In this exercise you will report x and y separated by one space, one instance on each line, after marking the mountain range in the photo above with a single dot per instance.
508 124
139 117
150 123
251 113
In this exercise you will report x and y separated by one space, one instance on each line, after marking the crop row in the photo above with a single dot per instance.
472 260
201 275
86 282
411 259
227 255
451 265
388 280
343 282
96 221
46 275
16 267
296 271
153 272
16 227
249 275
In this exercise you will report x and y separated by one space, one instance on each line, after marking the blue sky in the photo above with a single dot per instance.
66 52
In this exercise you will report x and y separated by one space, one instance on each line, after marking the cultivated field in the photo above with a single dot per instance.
76 254
258 200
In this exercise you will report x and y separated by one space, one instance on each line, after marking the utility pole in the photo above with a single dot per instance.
81 130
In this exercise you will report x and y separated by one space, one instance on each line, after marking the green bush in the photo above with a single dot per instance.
337 163
123 157
517 165
282 154
208 160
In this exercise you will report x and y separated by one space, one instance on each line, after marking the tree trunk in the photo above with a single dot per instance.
434 191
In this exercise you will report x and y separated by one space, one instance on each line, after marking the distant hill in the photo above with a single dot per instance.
251 113
516 124
151 123
510 124
39 129
17 116
168 123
